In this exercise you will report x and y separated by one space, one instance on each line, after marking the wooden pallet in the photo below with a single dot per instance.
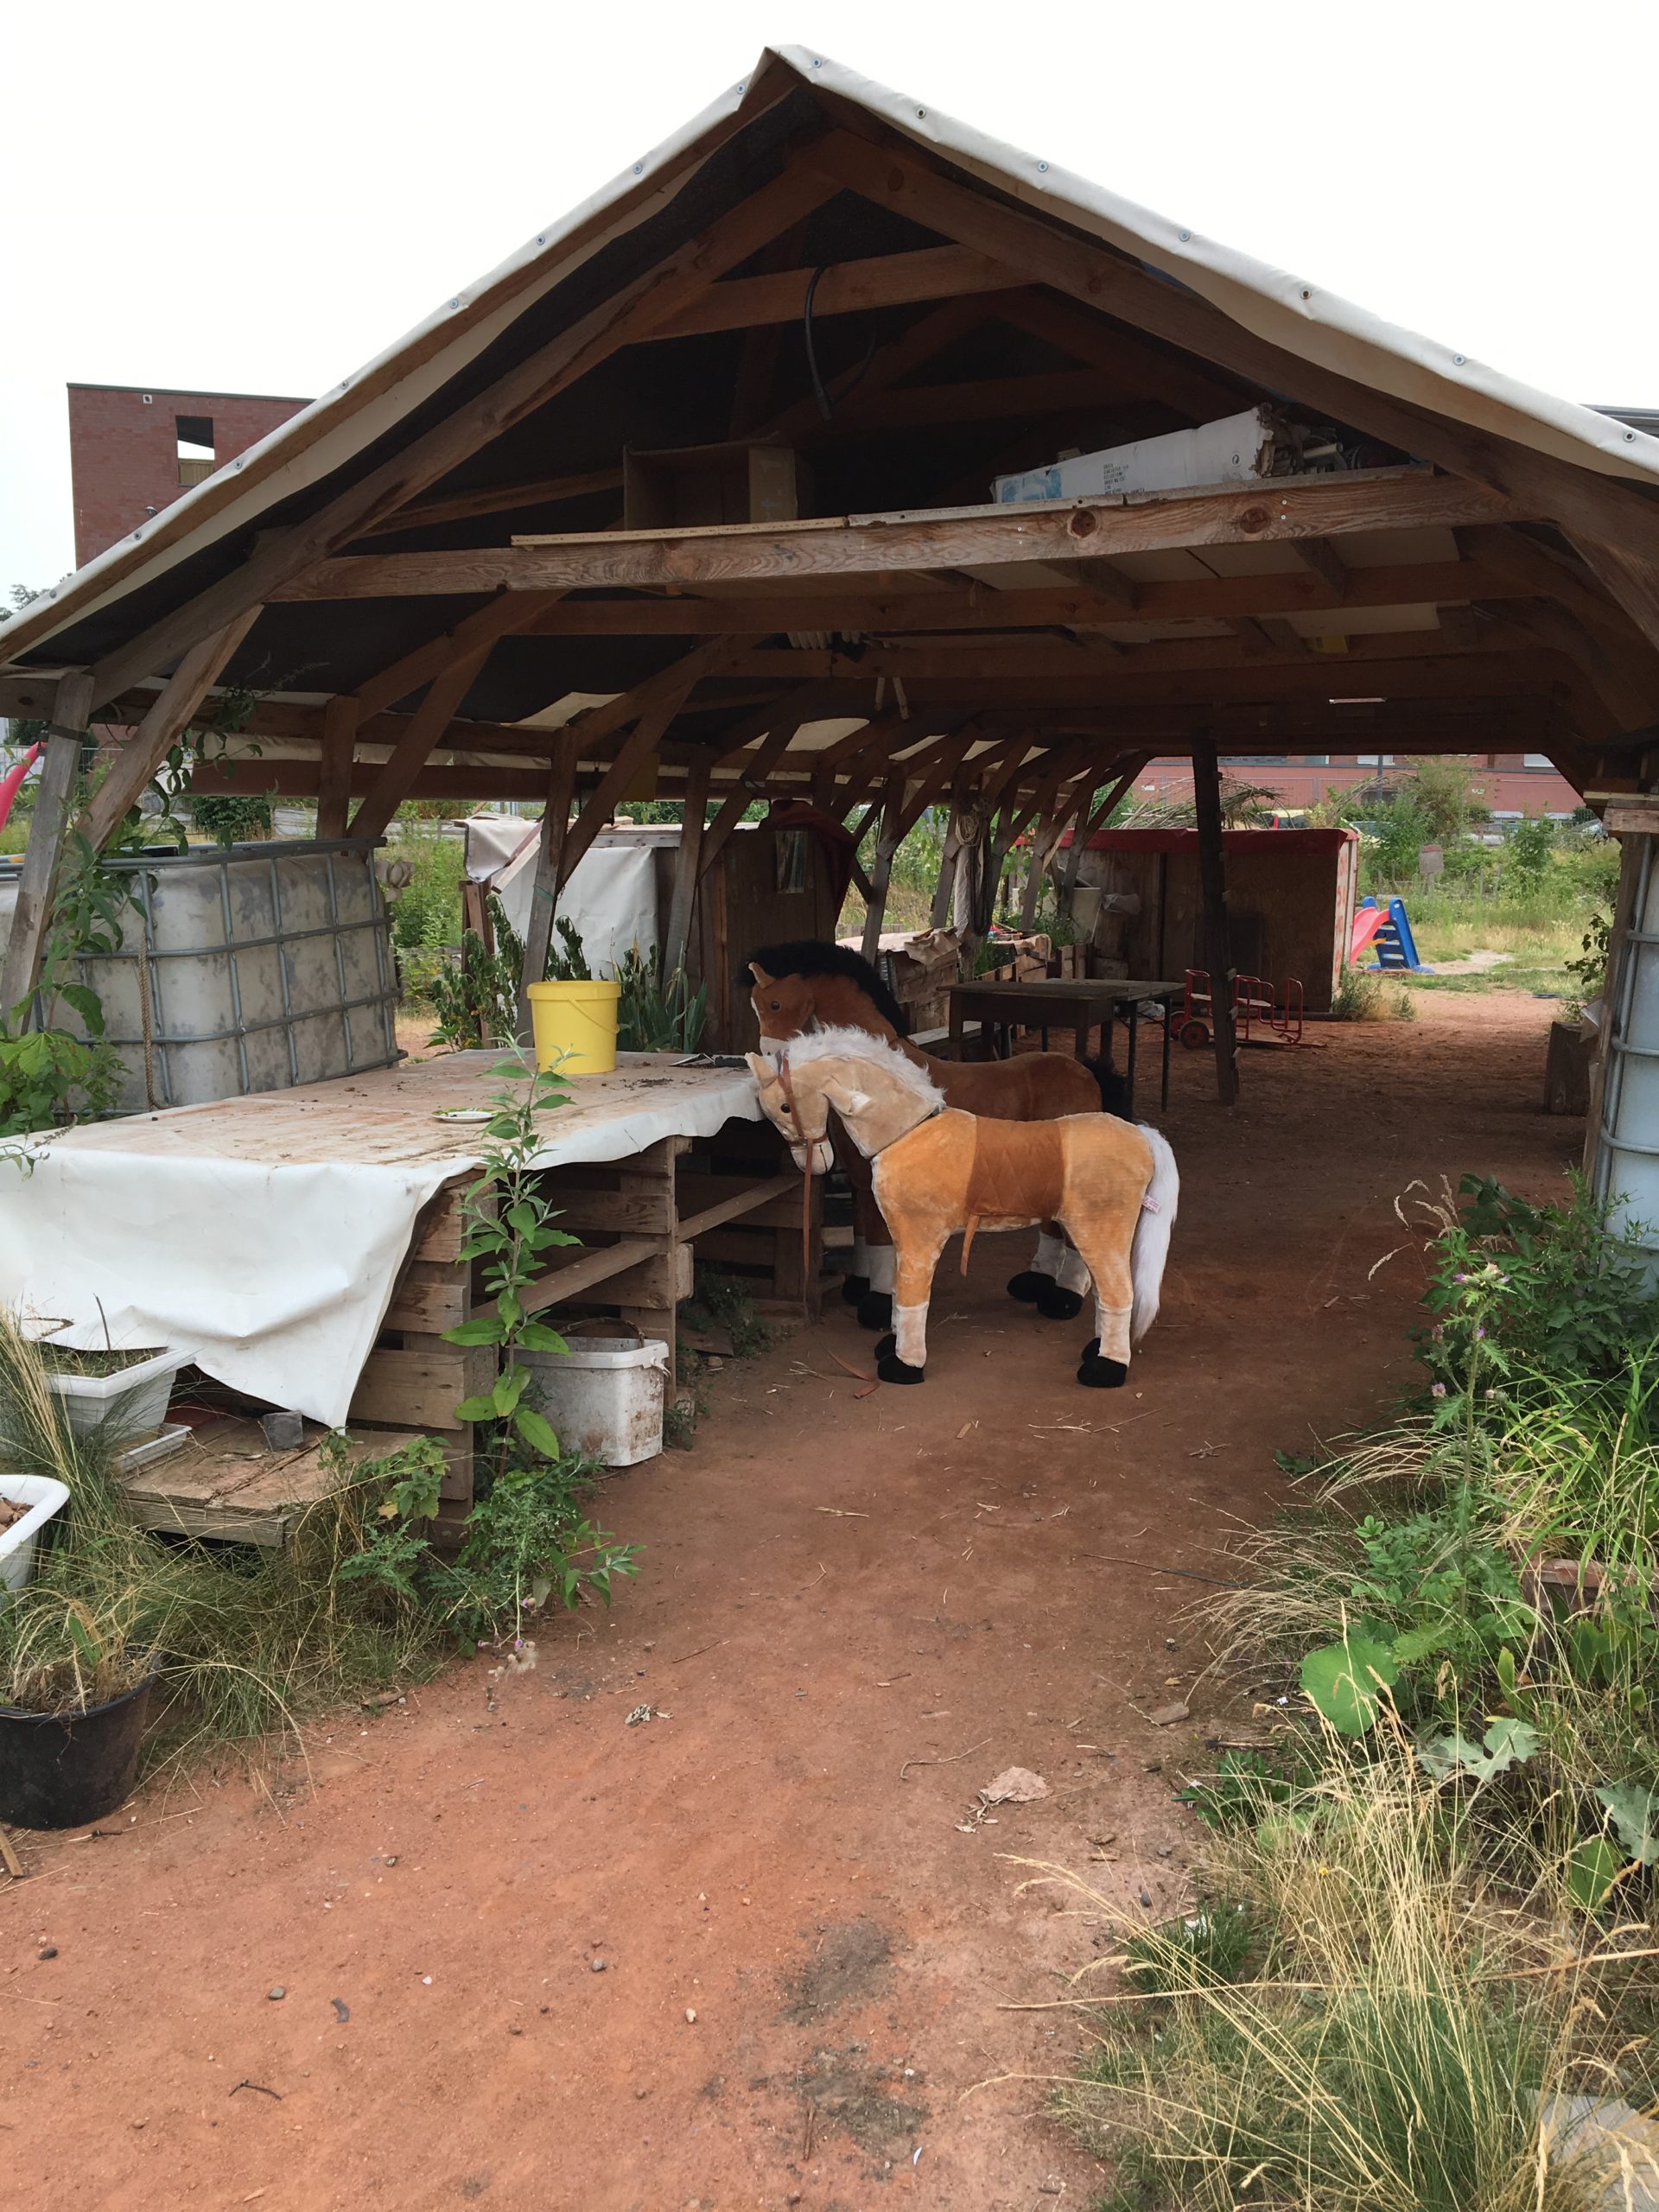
643 1220
224 1482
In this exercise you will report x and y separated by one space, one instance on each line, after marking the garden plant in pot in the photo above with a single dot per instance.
76 1663
74 1697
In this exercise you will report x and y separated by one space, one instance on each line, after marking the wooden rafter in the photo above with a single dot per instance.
498 499
179 699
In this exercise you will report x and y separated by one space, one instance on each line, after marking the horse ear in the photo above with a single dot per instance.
764 1072
759 973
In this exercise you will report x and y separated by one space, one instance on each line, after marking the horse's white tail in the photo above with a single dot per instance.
1151 1247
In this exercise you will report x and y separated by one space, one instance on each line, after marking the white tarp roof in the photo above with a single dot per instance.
1289 311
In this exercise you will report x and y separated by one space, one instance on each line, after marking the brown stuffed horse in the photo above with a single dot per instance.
809 984
1111 1186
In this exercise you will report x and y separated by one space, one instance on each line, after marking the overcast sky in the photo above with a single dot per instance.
257 200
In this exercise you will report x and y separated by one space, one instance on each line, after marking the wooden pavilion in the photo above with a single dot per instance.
697 489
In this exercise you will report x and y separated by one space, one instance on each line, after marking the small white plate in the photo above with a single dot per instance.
462 1114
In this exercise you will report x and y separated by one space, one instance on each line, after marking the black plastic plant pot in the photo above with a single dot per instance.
60 1770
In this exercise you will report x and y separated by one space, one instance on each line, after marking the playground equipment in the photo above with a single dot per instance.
1263 1015
1387 929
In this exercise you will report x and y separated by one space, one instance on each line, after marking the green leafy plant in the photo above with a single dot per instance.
1347 1682
1514 1283
508 1225
476 1001
654 1014
46 1075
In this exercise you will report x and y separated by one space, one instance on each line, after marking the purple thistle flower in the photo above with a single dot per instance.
1479 1333
1437 1390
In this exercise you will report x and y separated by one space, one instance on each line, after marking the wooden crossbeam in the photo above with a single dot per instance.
752 778
1044 655
940 272
1282 509
426 726
623 320
1102 595
143 752
1318 555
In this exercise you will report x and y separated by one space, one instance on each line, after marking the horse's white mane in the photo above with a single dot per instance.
859 1045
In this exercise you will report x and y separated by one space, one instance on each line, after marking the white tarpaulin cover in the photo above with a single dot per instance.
610 900
266 1234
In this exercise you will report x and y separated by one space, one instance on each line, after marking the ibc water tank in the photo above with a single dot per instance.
251 969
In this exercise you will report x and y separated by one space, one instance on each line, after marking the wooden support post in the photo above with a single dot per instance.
71 711
687 866
1212 881
339 720
886 844
145 750
549 853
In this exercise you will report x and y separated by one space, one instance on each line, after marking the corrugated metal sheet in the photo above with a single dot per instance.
381 401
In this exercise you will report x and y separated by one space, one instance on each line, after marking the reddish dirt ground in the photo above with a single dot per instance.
851 1613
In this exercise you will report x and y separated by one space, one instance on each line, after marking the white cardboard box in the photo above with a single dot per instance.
1239 448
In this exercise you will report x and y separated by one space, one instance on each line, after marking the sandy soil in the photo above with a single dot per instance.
852 1614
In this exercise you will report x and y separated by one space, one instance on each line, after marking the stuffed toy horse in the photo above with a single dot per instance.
1112 1186
806 985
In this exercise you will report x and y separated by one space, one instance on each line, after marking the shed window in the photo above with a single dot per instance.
195 447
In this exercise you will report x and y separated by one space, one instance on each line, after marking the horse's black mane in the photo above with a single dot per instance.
814 957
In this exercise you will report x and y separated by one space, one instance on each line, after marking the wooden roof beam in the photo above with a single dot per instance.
938 272
1285 509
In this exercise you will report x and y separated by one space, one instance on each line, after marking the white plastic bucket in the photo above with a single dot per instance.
133 1400
604 1396
43 1497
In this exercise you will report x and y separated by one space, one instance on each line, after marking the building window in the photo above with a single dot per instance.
1316 760
1537 760
195 447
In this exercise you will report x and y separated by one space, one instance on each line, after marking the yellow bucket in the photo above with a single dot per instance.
575 1026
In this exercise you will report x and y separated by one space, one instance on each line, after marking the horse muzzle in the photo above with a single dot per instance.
817 1159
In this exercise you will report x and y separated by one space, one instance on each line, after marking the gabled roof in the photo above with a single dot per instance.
571 269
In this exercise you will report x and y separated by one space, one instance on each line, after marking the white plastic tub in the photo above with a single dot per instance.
43 1497
133 1400
604 1396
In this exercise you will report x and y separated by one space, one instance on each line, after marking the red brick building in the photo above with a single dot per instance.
1506 783
133 452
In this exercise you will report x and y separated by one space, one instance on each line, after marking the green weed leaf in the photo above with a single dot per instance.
1345 1680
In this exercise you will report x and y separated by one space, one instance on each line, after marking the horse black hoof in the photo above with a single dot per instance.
892 1369
887 1346
1058 1305
854 1287
875 1310
1097 1374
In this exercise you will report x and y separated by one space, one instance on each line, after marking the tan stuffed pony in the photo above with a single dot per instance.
1110 1184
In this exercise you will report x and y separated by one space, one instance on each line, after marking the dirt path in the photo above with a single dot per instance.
853 1613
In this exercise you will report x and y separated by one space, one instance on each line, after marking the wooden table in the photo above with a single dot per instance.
1079 1003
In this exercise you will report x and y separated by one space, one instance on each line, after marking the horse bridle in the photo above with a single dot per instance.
788 1084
